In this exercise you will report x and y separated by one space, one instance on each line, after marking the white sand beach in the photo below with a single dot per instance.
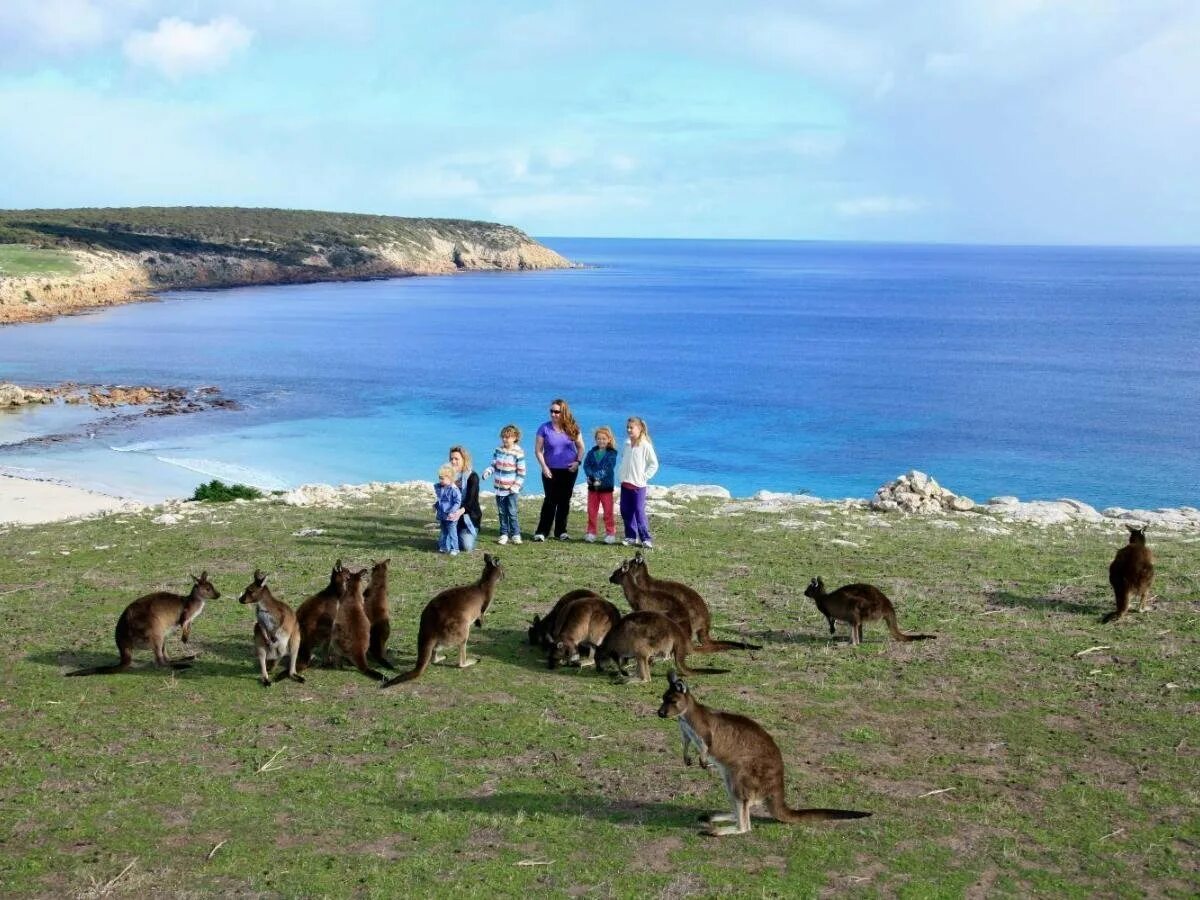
25 501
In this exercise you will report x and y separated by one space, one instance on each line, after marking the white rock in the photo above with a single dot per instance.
167 519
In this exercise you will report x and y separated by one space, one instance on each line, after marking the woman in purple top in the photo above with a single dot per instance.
559 451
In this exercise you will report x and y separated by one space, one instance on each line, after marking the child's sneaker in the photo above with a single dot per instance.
628 542
538 538
564 537
454 553
610 539
649 545
589 538
503 539
516 539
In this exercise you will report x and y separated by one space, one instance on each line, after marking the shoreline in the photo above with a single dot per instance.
28 500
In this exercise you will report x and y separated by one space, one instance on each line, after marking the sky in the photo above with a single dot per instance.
997 121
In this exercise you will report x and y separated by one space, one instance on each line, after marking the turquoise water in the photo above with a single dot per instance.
831 368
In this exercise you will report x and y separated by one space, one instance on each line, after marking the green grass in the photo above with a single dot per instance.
1059 774
18 259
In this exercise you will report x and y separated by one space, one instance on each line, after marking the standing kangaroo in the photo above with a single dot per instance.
745 755
316 615
276 631
446 620
351 635
698 612
644 598
148 620
584 624
645 636
1131 573
375 600
540 628
856 604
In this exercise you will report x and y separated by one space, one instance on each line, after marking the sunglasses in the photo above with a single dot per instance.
556 412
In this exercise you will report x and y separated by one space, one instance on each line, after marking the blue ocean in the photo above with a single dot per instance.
788 366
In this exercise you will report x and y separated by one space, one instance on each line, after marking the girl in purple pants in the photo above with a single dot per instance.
638 465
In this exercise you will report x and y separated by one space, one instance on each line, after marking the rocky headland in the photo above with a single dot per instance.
124 255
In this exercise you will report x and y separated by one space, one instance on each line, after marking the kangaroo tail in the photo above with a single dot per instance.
424 658
784 813
711 646
100 670
1122 606
360 663
124 664
899 635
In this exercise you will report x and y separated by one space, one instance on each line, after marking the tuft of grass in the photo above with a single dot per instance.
217 491
995 760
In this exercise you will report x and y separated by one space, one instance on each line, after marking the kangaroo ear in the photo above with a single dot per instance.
203 576
337 566
537 620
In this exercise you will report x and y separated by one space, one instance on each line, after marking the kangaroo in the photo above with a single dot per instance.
746 756
375 600
586 622
316 615
446 620
640 598
351 634
698 612
1131 573
856 604
540 628
148 620
646 635
276 631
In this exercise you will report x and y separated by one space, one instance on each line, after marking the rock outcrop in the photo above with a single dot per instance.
918 493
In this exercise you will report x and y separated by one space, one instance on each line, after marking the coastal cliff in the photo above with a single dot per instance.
123 255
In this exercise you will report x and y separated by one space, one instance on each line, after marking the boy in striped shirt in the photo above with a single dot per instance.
508 465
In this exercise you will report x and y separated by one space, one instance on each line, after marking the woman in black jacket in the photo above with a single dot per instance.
469 516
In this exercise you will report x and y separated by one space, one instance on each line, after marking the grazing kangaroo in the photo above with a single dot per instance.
746 756
276 631
646 635
316 615
148 620
446 620
540 628
351 635
585 623
375 600
1131 573
856 604
698 612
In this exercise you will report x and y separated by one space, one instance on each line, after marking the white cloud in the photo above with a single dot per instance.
878 205
177 48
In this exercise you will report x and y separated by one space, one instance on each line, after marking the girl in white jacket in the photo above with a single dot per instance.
638 465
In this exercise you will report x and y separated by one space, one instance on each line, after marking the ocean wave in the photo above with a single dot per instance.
137 447
228 472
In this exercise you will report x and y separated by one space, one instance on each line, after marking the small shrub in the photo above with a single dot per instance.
217 491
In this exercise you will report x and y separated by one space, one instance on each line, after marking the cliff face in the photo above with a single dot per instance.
113 271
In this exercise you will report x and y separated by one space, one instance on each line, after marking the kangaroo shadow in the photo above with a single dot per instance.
773 636
593 806
378 534
143 663
1009 600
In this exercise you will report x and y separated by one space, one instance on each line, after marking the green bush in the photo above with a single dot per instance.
217 491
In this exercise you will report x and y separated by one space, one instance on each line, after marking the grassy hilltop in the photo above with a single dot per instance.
997 760
63 260
282 235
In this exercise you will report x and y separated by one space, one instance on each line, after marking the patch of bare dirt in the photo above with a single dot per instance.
654 856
